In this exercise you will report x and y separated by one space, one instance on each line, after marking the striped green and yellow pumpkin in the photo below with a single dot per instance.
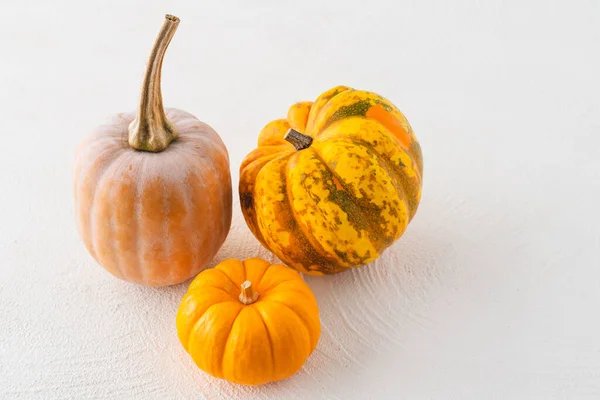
335 183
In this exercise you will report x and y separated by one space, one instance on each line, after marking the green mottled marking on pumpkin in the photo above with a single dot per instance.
247 200
417 155
344 256
398 181
337 91
359 108
365 258
405 184
326 268
362 214
386 106
305 254
333 206
362 260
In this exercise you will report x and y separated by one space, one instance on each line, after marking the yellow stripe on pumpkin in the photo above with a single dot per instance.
277 224
246 189
298 115
265 151
319 104
324 222
380 199
370 133
346 104
272 134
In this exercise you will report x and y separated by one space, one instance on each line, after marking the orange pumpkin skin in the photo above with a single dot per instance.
267 340
153 218
340 202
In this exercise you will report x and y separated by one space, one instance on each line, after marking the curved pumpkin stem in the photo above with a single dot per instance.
299 140
151 130
248 296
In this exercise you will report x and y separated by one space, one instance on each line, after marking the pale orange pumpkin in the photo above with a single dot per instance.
153 189
249 322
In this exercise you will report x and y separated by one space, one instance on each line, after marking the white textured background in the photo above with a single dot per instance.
494 291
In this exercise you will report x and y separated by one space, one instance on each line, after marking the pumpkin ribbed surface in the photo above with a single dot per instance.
262 336
340 202
153 218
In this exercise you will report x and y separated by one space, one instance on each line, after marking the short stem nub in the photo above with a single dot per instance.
151 130
299 140
248 296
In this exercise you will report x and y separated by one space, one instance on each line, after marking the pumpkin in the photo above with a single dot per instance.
249 322
152 189
335 183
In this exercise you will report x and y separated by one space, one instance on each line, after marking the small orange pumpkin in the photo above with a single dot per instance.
335 183
153 190
249 322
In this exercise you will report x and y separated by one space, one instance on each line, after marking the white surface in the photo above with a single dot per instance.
493 292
